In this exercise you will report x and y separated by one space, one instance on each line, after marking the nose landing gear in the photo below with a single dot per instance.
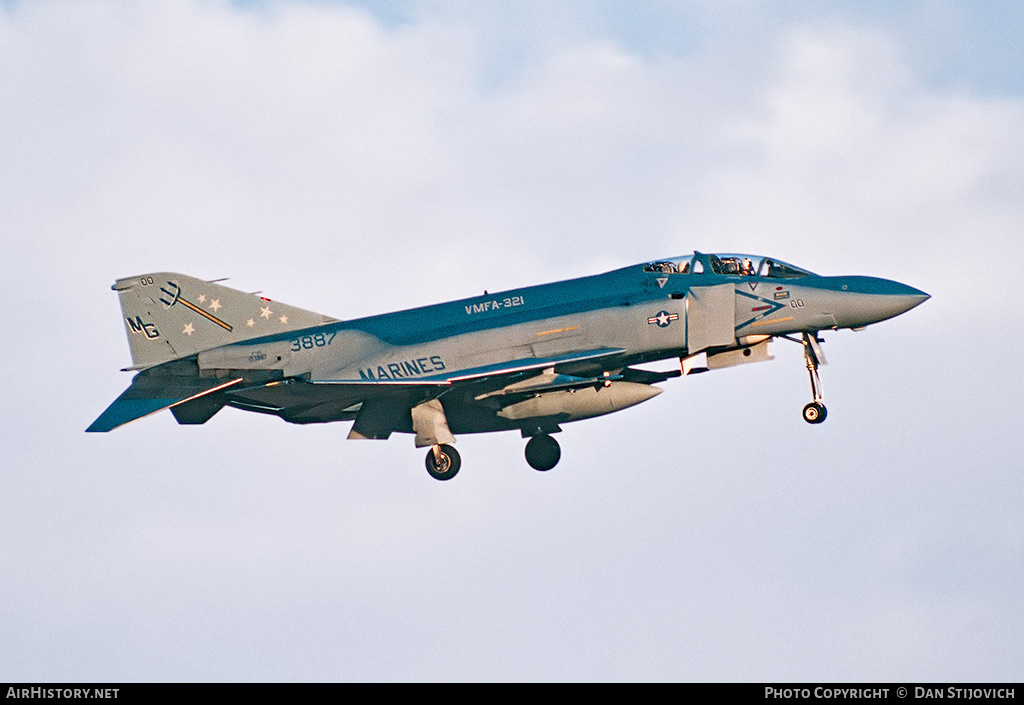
815 412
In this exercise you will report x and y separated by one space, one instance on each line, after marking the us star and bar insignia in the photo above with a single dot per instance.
663 318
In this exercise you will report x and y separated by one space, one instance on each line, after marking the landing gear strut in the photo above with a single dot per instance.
542 452
443 462
815 412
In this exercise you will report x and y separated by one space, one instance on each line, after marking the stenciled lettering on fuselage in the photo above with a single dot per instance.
403 369
494 305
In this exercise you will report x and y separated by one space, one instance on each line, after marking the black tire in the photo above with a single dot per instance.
542 452
815 412
446 466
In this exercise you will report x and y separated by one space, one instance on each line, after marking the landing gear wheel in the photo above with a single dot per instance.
542 452
815 412
443 462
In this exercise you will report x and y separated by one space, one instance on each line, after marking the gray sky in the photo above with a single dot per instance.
358 158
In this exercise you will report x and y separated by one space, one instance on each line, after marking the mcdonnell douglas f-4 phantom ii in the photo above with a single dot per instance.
525 360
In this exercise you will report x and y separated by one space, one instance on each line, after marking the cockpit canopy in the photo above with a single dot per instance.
729 264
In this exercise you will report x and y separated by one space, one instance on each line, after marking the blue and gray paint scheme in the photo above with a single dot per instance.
528 359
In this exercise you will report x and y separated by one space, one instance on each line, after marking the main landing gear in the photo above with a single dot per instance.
815 412
443 462
542 452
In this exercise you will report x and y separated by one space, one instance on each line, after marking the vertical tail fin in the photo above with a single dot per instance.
169 316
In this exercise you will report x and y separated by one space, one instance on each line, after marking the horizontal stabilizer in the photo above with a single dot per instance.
144 397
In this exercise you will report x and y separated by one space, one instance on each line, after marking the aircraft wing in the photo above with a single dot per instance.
194 398
386 402
501 369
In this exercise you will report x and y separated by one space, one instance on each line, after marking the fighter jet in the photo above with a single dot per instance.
526 360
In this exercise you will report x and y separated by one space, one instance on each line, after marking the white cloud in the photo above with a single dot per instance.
850 149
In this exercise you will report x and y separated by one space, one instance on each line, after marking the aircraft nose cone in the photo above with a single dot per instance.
896 298
870 300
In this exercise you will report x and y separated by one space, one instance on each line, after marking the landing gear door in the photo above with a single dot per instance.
710 317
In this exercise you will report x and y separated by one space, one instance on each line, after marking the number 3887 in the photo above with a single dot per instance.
308 342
